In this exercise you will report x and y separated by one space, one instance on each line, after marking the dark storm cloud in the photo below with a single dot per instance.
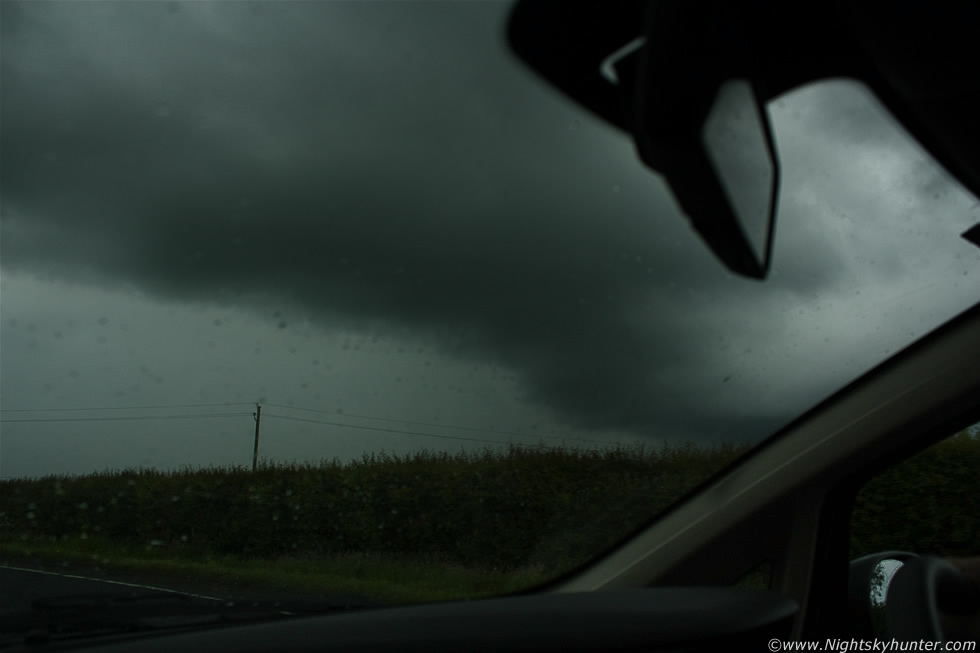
371 164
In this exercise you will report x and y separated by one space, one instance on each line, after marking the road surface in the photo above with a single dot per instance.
21 586
24 580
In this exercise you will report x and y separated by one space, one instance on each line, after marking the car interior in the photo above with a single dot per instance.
653 70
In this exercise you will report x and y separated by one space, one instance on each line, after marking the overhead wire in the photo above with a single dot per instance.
159 406
441 426
117 419
285 417
383 430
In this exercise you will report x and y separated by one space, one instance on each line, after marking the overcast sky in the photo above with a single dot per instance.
368 213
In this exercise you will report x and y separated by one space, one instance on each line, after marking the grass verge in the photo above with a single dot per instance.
383 578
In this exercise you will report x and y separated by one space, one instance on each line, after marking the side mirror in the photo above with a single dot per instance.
881 578
895 594
868 581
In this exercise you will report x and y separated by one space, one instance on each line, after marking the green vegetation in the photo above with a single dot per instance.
431 526
424 526
758 579
930 503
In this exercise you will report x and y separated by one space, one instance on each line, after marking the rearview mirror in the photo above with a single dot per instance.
737 139
705 127
685 79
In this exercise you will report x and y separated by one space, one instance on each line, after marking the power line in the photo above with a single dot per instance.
54 410
295 419
118 419
375 428
310 410
444 426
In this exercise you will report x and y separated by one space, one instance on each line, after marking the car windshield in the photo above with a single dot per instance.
340 298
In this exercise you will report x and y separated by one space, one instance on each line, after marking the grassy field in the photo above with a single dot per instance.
431 526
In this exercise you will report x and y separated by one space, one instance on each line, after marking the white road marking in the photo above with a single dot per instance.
119 582
112 582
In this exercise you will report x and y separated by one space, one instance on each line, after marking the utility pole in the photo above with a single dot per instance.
257 416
